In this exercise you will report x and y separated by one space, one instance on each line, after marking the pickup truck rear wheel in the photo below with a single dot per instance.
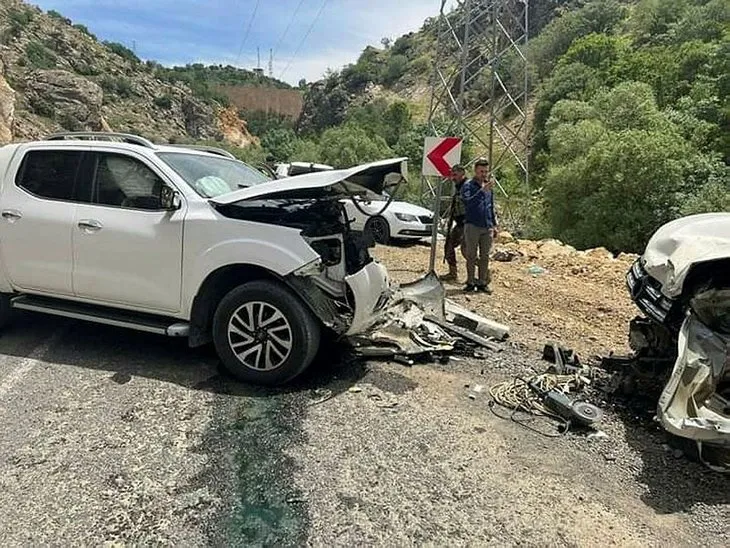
264 334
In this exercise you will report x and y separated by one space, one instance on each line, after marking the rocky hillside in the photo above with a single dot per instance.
56 76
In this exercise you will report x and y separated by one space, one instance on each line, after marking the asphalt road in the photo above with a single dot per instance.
103 436
111 435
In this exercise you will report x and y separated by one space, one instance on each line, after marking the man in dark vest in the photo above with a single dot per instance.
455 229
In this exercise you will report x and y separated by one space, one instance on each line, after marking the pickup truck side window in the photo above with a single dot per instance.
126 182
49 173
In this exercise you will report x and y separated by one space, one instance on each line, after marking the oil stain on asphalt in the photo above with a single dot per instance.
255 428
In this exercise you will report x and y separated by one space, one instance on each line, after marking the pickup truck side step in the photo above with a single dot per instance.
104 315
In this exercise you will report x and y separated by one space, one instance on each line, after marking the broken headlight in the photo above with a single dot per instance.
330 250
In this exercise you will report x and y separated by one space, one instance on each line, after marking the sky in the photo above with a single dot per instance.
307 36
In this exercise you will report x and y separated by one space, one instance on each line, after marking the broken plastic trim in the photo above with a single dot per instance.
323 306
690 405
313 268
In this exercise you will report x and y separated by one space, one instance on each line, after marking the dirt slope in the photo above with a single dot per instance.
579 301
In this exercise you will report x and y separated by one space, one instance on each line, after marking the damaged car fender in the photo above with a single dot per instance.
681 245
265 251
695 402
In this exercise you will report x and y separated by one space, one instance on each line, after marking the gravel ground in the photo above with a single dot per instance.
115 436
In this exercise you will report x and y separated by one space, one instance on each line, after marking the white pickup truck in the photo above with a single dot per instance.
187 242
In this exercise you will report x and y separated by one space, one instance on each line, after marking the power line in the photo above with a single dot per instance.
248 31
288 27
304 38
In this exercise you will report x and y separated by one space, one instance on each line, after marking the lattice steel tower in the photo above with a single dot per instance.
480 83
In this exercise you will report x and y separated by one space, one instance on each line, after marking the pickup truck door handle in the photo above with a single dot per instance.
11 215
90 225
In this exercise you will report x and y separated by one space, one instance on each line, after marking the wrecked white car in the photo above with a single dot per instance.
189 242
682 285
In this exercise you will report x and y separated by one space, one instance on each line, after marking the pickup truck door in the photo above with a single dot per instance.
128 249
37 211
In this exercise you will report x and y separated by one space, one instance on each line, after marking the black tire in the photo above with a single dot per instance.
236 324
6 311
378 229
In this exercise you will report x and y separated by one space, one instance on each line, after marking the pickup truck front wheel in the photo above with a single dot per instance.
264 334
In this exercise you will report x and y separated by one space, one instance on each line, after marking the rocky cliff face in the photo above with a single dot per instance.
55 76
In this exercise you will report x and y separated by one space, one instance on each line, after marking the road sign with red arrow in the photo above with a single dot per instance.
440 154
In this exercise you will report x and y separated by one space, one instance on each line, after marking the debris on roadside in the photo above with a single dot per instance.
536 271
461 317
547 396
506 255
475 390
566 362
421 325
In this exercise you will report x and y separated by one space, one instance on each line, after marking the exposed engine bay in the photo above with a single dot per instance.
345 287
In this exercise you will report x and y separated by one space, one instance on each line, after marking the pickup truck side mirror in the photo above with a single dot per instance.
170 199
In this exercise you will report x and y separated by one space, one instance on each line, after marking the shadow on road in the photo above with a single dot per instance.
126 354
251 431
675 482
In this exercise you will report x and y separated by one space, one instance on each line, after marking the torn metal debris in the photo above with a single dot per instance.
566 361
419 321
695 403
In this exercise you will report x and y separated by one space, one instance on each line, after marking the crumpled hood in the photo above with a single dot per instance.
685 242
369 176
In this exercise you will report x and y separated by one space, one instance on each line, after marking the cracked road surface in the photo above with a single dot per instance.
111 435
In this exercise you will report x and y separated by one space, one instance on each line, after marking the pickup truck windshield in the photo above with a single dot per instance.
212 176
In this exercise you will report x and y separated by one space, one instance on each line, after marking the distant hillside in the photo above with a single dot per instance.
630 108
252 99
56 75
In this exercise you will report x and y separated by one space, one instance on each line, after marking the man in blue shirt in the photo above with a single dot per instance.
480 226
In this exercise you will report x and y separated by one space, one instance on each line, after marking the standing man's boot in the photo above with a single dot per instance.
451 276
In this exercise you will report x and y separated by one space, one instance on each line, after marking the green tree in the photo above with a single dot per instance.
351 145
280 143
307 151
600 16
624 188
395 69
397 121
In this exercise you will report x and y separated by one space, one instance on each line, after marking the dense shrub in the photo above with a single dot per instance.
39 56
122 51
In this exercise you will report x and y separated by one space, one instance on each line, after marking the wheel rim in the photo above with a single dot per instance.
260 336
379 230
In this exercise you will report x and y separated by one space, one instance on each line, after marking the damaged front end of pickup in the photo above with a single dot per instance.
681 349
348 290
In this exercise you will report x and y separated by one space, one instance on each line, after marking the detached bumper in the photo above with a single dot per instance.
371 291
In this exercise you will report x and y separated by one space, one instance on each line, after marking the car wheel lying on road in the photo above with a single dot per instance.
264 334
379 230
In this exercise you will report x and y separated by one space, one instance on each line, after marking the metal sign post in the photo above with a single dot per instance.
435 228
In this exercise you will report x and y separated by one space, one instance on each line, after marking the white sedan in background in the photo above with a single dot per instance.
398 221
383 222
